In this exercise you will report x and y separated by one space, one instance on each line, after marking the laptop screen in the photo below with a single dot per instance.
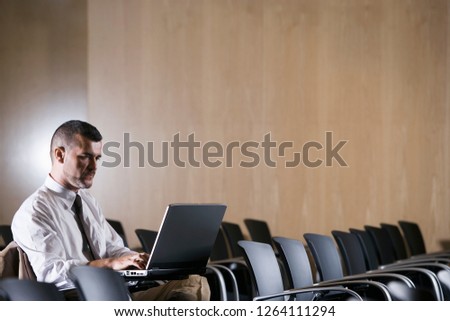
186 236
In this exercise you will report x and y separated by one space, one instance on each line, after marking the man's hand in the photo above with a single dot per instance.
138 260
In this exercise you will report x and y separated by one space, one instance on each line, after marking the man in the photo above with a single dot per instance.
48 228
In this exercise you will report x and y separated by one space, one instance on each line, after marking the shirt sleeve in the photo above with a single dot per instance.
38 236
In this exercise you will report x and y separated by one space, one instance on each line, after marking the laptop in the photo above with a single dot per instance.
184 242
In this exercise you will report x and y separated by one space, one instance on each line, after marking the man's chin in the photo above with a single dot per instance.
86 183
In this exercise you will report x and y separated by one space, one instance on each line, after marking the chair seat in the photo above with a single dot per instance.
99 284
29 290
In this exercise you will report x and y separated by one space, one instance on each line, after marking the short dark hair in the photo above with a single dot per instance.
64 134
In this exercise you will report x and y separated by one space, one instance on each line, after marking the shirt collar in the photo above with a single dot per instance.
66 195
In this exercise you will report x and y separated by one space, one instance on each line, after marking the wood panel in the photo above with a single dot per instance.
43 82
374 73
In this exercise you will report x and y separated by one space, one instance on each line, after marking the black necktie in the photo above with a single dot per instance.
78 210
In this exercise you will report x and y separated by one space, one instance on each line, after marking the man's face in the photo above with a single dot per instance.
80 163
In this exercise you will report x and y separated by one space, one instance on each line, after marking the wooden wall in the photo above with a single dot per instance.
374 73
43 68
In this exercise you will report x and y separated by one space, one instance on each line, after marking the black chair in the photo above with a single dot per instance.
388 248
353 258
329 267
299 270
233 235
220 249
227 253
221 258
368 248
223 280
267 277
383 246
99 284
413 236
397 240
259 231
118 227
6 236
421 276
29 290
415 241
398 244
147 238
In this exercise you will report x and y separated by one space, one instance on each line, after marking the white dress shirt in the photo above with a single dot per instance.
46 229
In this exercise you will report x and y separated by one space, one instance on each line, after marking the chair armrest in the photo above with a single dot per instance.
423 272
318 289
434 259
379 275
352 284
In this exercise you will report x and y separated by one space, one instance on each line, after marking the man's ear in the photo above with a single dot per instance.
59 154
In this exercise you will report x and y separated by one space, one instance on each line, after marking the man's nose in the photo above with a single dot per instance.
93 164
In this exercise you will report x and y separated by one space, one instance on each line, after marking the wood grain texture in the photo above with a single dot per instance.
43 82
374 73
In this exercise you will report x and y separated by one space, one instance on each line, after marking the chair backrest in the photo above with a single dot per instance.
9 261
6 236
14 263
118 227
99 284
264 269
382 243
413 237
233 234
326 256
368 248
259 230
147 238
29 290
351 252
296 265
25 269
397 240
220 250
